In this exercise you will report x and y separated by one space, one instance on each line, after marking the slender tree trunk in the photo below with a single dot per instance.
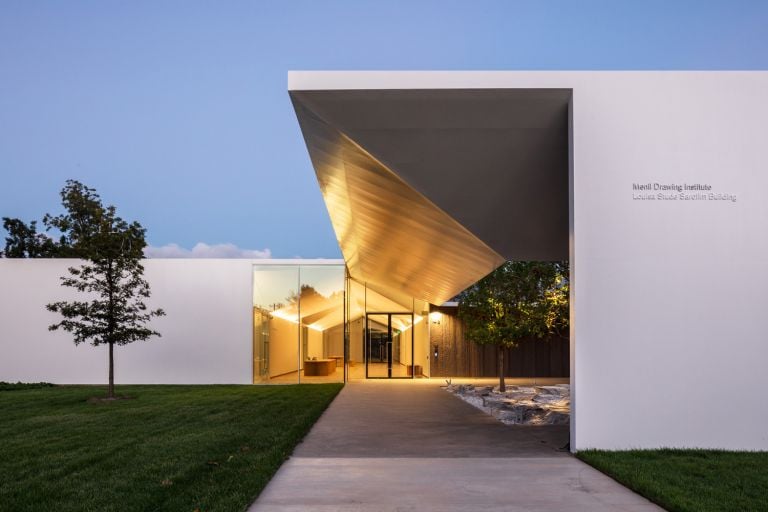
502 384
110 331
111 390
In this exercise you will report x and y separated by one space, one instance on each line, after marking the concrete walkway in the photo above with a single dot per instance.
408 446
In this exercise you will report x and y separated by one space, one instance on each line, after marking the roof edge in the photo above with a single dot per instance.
500 79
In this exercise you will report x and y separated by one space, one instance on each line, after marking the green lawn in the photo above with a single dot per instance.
690 480
184 448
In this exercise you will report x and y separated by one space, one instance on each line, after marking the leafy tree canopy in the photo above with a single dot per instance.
24 241
87 230
90 230
520 299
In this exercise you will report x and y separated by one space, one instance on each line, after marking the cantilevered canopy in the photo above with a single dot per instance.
429 190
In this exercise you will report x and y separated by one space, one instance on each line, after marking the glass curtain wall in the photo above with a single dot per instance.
322 323
298 323
308 320
387 332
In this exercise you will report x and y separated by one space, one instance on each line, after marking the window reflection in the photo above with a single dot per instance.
276 347
298 331
308 320
321 308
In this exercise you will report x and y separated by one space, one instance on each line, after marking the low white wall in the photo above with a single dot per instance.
206 335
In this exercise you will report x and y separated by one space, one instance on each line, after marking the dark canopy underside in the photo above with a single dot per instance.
429 190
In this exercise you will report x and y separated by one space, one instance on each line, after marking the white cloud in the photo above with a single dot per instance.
203 250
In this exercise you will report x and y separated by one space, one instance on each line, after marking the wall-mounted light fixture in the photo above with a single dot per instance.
435 317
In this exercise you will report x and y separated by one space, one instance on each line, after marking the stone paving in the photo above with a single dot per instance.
408 446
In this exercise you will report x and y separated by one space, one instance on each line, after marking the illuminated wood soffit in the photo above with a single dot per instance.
390 235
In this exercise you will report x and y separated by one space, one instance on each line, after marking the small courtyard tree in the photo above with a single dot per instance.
517 300
112 311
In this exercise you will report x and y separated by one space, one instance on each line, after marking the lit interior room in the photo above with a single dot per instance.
302 314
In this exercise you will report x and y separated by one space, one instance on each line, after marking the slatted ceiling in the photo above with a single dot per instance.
390 235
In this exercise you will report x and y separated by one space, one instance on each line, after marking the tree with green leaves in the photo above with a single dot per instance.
112 311
24 241
518 300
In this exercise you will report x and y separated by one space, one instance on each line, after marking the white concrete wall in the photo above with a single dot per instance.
670 295
206 335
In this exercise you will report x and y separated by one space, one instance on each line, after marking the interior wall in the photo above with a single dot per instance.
421 346
356 328
333 340
314 344
405 356
283 346
206 333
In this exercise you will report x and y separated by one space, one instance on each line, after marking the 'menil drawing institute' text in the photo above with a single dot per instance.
678 192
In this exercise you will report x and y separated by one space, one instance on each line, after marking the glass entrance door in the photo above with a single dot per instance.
388 345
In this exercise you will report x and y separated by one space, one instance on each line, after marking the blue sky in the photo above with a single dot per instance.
177 112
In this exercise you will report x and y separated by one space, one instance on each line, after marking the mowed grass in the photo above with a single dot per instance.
690 480
185 448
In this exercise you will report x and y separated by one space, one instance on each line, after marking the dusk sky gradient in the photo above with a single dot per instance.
178 113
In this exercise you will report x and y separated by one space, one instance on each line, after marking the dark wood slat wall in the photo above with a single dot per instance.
459 357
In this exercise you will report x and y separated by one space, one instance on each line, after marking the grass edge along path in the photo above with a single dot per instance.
689 480
185 448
